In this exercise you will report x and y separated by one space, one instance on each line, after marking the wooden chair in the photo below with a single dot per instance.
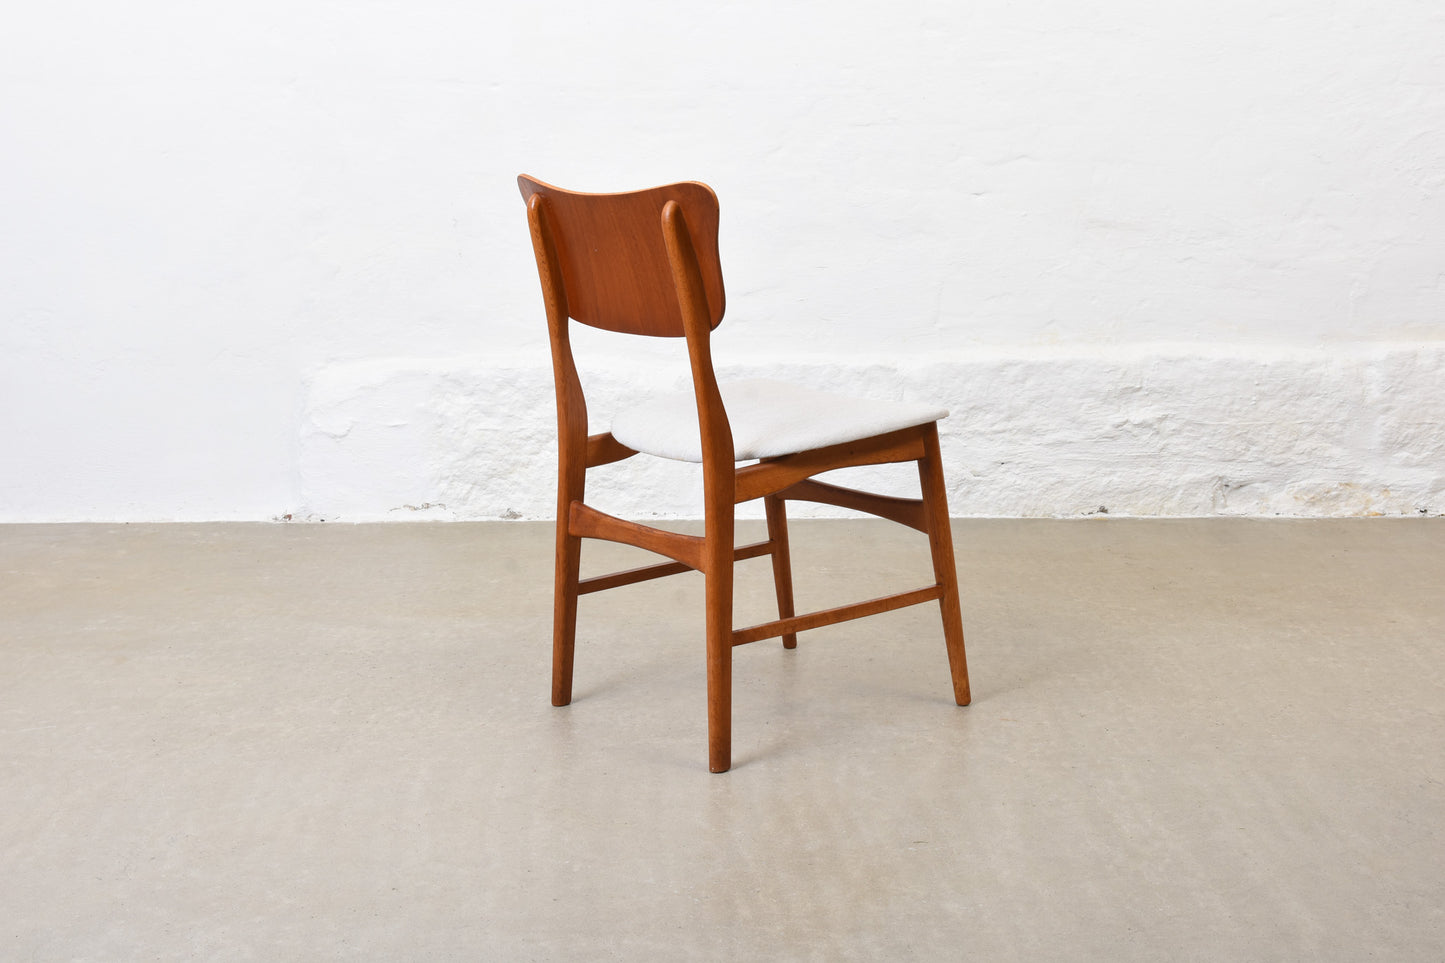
646 263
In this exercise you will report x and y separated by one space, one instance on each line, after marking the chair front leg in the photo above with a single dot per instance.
782 563
940 542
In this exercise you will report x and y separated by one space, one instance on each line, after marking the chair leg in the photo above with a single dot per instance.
940 542
719 562
564 613
782 563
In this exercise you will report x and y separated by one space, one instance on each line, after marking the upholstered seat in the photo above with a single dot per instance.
768 419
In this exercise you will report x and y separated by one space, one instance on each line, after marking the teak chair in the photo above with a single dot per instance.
646 263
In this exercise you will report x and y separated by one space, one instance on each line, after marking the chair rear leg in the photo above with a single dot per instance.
782 563
940 542
719 670
564 613
718 570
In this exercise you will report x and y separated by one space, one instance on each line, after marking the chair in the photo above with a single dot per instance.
646 263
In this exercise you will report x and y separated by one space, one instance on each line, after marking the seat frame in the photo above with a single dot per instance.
691 307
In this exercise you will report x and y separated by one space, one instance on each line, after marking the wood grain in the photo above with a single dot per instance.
631 576
588 522
774 474
843 613
603 449
611 259
904 511
940 542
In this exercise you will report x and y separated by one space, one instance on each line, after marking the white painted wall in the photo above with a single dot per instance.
268 258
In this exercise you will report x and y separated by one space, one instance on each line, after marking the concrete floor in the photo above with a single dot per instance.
1215 739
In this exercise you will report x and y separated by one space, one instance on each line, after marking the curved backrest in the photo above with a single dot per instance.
613 258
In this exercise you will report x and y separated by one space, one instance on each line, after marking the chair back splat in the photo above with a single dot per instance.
613 260
646 263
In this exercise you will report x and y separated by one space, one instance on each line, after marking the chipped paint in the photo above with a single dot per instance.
1172 431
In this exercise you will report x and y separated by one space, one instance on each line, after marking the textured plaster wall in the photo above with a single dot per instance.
268 259
1152 430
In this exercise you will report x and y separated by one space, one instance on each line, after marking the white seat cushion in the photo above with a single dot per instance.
768 418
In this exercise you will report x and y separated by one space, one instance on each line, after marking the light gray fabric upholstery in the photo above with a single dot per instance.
768 418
